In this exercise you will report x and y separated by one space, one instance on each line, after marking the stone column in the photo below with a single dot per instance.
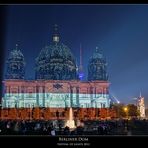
37 96
91 95
43 96
22 94
77 96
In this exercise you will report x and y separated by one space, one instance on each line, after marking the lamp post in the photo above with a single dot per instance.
126 111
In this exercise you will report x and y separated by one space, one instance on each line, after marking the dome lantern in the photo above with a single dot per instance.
56 37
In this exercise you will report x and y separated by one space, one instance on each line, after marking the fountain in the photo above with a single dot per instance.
70 122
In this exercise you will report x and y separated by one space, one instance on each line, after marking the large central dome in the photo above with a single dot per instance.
56 62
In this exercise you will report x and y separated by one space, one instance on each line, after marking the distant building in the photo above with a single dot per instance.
57 82
141 106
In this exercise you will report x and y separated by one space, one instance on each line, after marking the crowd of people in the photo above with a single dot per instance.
41 127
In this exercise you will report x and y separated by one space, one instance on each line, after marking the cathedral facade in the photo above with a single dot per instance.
57 83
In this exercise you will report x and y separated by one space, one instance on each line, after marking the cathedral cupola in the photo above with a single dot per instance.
56 61
15 64
97 67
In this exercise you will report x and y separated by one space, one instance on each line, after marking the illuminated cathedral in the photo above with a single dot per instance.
58 81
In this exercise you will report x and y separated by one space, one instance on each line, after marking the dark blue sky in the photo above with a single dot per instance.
121 31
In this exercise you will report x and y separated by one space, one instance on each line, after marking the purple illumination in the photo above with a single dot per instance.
81 75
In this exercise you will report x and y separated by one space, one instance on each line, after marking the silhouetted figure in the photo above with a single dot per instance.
66 130
79 130
60 129
53 133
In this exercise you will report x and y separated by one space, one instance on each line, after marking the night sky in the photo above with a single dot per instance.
120 31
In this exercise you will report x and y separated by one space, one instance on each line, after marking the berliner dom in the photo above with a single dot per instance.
58 82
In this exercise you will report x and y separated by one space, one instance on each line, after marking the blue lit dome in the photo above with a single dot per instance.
97 55
15 64
16 54
97 67
56 62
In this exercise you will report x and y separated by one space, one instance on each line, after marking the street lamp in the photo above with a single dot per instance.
126 110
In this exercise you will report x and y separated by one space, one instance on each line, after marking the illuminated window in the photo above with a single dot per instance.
30 94
84 94
26 104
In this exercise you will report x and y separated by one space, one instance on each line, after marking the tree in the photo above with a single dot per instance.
146 112
119 109
112 113
132 110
